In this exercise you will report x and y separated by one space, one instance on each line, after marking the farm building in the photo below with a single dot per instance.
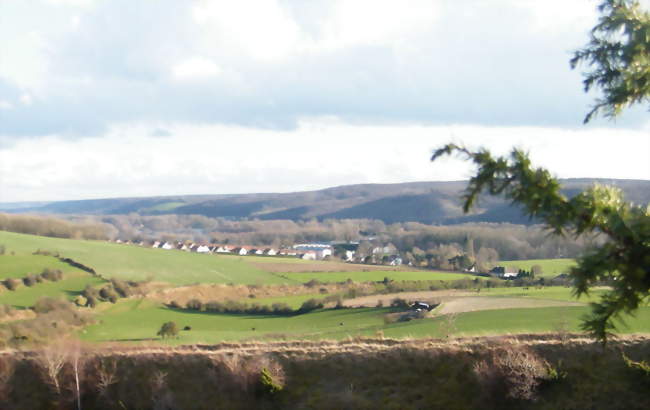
505 272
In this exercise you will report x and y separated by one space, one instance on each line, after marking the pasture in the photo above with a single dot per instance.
550 267
69 287
139 320
139 263
374 276
20 265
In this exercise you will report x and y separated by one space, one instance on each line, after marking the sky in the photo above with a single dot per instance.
120 98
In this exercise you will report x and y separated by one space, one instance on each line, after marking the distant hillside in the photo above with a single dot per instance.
426 202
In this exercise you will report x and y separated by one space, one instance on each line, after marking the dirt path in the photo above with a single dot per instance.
474 303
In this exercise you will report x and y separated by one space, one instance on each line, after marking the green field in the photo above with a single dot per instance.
165 206
512 321
71 285
374 276
550 267
135 321
139 320
138 263
547 292
20 265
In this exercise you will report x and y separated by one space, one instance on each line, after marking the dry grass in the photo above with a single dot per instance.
474 303
208 292
361 373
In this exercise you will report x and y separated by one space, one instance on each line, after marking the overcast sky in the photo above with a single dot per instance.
133 98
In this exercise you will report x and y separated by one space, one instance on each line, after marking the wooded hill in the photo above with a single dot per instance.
425 202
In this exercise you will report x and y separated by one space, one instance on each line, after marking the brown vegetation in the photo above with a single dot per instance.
54 227
527 372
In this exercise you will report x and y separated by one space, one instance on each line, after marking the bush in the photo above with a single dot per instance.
53 275
2 249
11 284
46 305
309 305
108 293
266 385
313 283
29 280
123 289
168 329
515 372
91 301
399 303
194 304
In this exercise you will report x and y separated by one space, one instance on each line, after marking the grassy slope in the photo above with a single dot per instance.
136 320
550 267
21 264
137 263
374 276
71 285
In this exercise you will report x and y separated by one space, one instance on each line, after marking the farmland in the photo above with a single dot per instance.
550 267
374 276
181 276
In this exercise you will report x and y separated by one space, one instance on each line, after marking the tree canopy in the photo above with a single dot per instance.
619 52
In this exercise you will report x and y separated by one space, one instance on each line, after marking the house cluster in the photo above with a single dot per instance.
307 251
505 272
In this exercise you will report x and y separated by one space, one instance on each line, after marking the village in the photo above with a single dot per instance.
344 251
306 251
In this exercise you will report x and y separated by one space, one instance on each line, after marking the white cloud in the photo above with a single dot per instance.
72 3
260 29
195 68
26 99
5 105
321 153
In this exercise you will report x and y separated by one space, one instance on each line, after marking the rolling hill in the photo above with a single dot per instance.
425 202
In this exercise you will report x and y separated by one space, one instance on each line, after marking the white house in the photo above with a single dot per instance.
167 246
320 250
202 249
349 256
224 249
240 251
309 255
270 252
156 244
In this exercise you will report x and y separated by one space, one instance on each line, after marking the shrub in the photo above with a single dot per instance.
313 283
11 284
91 301
194 304
46 305
514 372
266 385
168 329
309 305
29 280
399 303
2 250
53 275
123 289
108 293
